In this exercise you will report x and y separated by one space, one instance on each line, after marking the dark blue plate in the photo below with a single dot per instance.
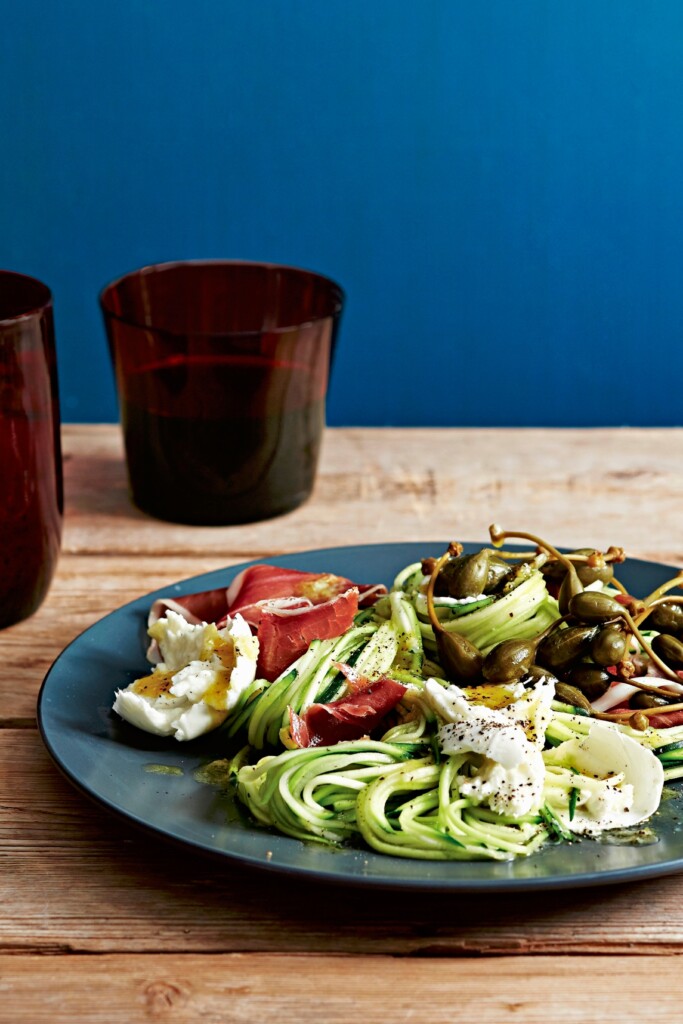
118 765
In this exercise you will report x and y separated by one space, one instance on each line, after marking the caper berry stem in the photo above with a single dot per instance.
459 658
598 557
676 581
571 583
522 556
654 690
499 536
619 716
431 610
662 710
524 559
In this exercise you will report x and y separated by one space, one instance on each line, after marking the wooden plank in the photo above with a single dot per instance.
241 989
576 486
76 879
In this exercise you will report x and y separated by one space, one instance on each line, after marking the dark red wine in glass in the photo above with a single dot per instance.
222 372
31 498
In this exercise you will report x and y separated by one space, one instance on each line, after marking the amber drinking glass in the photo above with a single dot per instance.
222 370
31 501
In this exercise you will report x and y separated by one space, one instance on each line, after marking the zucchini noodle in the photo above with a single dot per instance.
522 613
416 812
312 793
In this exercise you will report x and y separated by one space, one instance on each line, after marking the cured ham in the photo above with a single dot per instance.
666 721
206 606
349 718
285 633
261 585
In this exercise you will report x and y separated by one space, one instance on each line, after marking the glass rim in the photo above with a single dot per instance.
33 309
151 268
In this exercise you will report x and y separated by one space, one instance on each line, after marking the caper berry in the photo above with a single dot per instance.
609 646
647 700
537 673
571 587
508 661
590 679
563 646
593 607
669 649
603 571
570 695
499 572
591 573
639 721
459 658
465 576
667 618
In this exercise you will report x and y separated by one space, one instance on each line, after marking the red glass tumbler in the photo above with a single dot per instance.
31 497
221 370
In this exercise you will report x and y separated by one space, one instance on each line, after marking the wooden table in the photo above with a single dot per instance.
100 923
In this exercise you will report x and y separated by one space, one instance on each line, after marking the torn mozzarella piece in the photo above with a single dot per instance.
619 781
515 791
205 669
180 641
511 775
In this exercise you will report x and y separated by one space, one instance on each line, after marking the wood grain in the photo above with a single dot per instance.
578 486
243 989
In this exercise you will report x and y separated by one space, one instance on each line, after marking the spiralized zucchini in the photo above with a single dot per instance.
522 613
312 793
417 812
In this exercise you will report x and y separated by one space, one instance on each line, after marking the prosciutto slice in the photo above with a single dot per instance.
349 718
207 606
285 633
259 585
666 721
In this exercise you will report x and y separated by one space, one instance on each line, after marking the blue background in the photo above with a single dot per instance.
497 184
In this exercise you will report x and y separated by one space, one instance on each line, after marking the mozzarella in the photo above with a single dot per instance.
516 791
619 782
180 641
186 721
509 739
203 672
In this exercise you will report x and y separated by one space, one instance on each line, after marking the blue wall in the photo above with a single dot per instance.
498 185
